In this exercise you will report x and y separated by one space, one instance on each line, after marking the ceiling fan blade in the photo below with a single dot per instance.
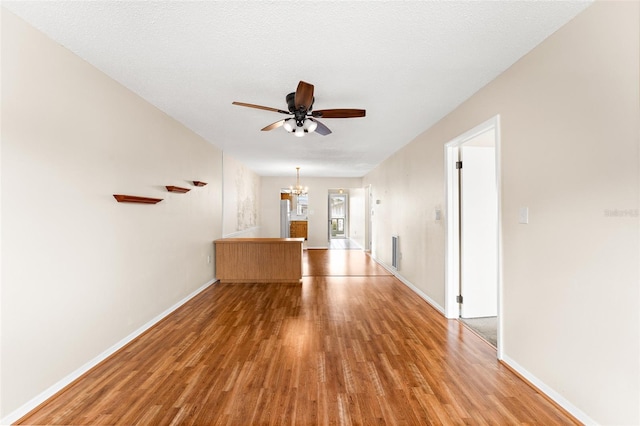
339 113
321 129
304 95
274 125
261 107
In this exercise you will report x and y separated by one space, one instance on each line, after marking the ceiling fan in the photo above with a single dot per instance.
303 119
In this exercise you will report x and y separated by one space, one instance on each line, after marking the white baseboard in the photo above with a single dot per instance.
409 284
552 394
60 384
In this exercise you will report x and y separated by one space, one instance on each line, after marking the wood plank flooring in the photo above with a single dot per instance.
350 345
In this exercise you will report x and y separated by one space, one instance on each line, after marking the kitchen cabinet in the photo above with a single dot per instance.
298 229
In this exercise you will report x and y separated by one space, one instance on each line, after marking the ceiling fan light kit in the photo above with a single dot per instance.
300 128
303 119
289 125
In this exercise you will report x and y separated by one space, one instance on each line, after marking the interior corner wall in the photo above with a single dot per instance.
241 199
318 224
80 271
569 147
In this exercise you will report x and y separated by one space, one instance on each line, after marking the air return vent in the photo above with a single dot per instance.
395 252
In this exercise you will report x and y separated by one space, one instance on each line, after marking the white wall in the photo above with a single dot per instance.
318 205
81 272
571 300
241 192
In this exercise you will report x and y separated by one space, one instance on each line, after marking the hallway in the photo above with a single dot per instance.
350 345
343 244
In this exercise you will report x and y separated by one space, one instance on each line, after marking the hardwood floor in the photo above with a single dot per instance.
350 345
322 262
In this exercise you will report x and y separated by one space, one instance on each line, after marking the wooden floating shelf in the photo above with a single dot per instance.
134 199
177 189
198 183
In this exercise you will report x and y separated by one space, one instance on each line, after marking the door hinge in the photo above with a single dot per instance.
459 299
458 164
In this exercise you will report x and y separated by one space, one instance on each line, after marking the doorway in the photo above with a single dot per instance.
294 214
368 208
473 262
346 227
338 216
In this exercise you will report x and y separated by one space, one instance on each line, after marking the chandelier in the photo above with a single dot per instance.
298 189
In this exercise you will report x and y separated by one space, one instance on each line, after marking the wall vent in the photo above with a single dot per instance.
395 252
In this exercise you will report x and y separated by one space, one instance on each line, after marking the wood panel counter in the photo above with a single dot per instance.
259 260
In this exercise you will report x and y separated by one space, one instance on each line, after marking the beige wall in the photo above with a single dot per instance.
241 192
570 126
81 272
317 227
406 189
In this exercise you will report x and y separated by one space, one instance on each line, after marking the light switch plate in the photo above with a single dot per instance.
523 215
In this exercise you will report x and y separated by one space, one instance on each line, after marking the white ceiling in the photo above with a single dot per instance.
408 63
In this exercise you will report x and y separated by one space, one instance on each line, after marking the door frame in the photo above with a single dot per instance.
345 196
452 231
368 206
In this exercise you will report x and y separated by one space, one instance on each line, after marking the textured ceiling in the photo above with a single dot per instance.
408 63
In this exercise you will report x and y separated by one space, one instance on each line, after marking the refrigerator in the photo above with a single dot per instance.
285 219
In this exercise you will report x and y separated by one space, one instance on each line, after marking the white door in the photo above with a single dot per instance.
478 236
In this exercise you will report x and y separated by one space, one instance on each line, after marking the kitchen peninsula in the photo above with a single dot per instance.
259 260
